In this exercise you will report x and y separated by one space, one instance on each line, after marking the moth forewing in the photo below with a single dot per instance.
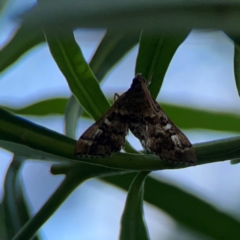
105 136
156 132
115 97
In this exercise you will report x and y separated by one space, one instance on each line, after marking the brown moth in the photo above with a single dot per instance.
138 111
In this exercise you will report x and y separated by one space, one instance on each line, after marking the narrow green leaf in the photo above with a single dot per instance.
43 107
3 227
159 16
14 206
237 65
196 118
30 140
26 37
236 59
72 113
74 177
235 161
18 130
72 180
154 56
24 132
133 226
205 119
111 50
11 216
81 80
185 208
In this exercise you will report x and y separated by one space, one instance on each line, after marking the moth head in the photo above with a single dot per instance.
139 79
140 85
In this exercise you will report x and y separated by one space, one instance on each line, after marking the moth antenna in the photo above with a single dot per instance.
116 96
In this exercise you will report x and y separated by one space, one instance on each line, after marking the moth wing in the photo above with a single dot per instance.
159 135
104 137
169 143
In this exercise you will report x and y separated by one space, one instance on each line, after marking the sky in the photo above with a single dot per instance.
200 76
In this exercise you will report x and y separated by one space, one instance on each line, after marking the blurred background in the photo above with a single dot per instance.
200 76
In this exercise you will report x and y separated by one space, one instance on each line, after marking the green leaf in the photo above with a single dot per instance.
154 56
236 60
30 140
111 50
13 220
27 37
237 65
24 132
185 208
72 113
18 130
74 177
189 118
43 107
81 80
14 206
132 222
158 16
3 227
196 118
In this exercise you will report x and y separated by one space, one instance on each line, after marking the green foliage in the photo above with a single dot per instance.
184 207
133 223
125 21
236 61
77 72
20 44
156 50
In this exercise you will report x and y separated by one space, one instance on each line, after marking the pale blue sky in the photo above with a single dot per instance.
200 75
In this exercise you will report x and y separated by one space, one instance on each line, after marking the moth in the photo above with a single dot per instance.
138 111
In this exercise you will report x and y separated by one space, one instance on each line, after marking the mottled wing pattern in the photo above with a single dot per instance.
158 134
167 141
138 111
105 136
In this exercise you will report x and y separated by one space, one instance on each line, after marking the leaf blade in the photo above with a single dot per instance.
236 61
18 130
154 56
15 209
137 15
189 210
133 224
196 118
72 113
111 50
20 44
81 80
